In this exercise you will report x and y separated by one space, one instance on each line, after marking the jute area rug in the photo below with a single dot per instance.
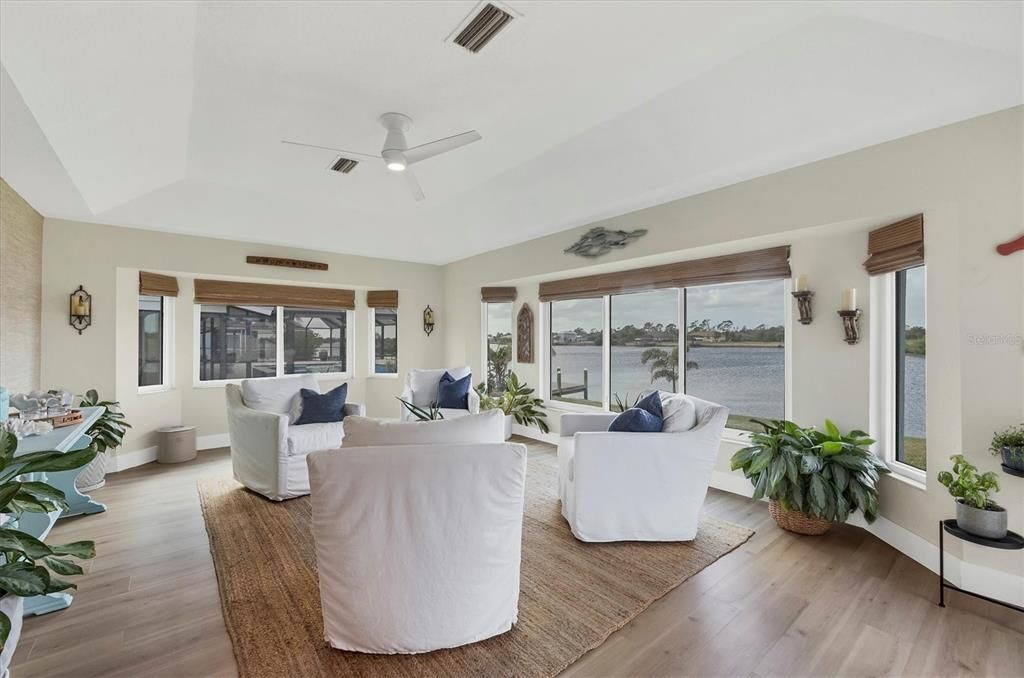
573 595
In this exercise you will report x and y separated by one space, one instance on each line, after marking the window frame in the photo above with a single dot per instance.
197 310
733 435
371 370
167 347
884 415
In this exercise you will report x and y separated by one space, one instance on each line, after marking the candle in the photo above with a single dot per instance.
801 283
849 301
80 309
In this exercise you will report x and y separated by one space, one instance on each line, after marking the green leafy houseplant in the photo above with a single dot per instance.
28 567
968 486
432 413
1010 444
516 400
623 405
824 475
108 431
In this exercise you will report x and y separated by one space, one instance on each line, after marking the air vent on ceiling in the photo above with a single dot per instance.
482 27
344 165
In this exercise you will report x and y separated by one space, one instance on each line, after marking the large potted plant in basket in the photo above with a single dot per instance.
107 433
1010 445
517 402
811 478
29 567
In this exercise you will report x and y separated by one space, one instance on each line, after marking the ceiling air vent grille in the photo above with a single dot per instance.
482 28
344 165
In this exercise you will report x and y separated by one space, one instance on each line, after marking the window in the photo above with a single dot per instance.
576 344
385 340
153 342
733 347
315 341
644 341
910 360
237 342
499 345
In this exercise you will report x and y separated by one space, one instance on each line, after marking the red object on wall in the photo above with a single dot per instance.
1008 248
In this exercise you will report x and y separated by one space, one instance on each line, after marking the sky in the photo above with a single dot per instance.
916 314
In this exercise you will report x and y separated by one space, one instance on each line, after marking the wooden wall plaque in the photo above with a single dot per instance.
524 335
287 263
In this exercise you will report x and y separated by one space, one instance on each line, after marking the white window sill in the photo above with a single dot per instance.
914 478
149 390
382 375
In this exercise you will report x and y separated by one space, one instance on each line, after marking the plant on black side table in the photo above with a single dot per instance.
975 511
1010 444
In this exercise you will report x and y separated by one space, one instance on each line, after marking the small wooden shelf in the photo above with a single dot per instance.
1012 471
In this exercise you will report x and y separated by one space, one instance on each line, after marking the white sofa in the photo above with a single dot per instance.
421 390
268 452
636 486
445 572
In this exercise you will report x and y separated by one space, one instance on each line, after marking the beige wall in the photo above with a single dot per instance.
966 179
106 260
21 256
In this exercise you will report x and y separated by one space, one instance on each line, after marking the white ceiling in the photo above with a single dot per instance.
169 116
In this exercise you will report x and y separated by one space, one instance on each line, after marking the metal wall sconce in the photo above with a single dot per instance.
428 320
803 305
80 315
851 325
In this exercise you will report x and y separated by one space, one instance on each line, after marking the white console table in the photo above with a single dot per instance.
64 439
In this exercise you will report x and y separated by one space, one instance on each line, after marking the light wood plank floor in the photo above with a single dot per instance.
845 604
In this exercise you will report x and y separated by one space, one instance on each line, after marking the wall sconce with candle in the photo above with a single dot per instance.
850 315
80 315
803 296
428 320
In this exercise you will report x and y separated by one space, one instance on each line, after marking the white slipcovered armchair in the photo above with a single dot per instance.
418 547
421 390
636 486
268 452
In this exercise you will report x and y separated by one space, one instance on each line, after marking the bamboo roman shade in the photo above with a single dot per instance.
765 264
257 294
497 295
896 246
382 299
156 285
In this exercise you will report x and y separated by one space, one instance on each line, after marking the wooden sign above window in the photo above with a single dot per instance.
287 263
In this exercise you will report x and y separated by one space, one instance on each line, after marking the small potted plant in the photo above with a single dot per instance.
975 511
517 402
1010 444
811 478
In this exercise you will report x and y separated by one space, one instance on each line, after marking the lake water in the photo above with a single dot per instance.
749 380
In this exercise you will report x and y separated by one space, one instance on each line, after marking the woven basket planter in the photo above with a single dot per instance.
795 521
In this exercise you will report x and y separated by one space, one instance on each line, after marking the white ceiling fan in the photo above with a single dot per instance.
396 153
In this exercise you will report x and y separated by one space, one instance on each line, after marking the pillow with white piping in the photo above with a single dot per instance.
678 412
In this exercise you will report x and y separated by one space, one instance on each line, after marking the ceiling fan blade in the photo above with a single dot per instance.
425 151
334 150
414 186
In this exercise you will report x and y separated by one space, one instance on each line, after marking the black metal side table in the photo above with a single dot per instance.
1012 542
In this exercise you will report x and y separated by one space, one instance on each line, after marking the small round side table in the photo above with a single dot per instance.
177 444
1012 542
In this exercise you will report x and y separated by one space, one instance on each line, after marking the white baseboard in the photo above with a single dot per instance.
126 460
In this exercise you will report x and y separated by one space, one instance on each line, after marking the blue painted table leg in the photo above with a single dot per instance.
37 605
78 503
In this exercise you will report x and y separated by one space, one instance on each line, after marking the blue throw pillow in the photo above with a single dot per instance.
323 409
453 393
646 417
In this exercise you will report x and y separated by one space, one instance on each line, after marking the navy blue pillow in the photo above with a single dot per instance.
646 417
323 409
453 393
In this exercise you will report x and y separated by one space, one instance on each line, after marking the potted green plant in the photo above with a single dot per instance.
975 511
29 567
517 402
811 478
432 413
1010 444
107 433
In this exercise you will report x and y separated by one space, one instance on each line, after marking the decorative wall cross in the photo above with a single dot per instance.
1008 248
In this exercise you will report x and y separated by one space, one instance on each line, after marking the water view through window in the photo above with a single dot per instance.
644 345
576 347
735 349
499 345
911 331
